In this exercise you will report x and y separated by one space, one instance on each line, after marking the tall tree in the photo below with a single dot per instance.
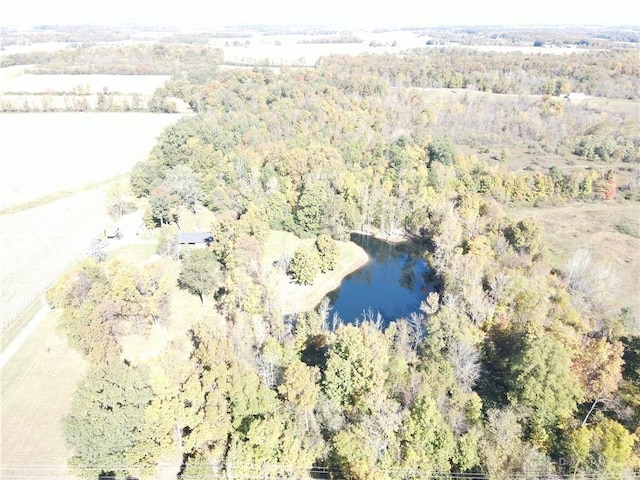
106 427
542 381
200 273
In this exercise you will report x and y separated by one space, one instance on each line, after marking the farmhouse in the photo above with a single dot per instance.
196 239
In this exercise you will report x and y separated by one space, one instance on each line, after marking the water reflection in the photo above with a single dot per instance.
394 282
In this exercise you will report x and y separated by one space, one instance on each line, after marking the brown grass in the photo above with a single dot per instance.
38 384
596 227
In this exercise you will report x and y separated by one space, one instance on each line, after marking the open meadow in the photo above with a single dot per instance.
610 232
37 387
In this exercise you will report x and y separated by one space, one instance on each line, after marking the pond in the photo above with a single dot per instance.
394 282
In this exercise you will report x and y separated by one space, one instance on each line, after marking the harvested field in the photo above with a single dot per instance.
45 153
72 150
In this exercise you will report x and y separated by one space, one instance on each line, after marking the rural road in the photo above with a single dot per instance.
17 342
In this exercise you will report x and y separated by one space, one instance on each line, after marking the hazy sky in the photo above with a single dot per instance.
348 13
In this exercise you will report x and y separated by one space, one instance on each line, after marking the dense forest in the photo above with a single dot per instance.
511 369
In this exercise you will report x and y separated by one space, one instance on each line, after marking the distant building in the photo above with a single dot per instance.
576 96
195 239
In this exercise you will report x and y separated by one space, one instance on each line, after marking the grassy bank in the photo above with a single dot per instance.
300 298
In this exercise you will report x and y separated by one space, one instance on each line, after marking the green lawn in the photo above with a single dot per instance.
135 254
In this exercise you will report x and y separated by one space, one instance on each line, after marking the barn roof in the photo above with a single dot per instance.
194 237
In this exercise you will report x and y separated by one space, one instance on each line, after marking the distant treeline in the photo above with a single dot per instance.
141 59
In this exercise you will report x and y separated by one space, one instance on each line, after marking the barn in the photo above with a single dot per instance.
195 239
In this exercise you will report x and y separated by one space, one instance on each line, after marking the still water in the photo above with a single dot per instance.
393 282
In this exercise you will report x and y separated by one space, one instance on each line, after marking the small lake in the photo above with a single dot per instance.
394 282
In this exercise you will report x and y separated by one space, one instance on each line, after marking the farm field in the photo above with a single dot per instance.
73 150
45 153
301 50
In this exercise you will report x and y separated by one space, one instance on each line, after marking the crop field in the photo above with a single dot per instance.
48 214
305 50
45 153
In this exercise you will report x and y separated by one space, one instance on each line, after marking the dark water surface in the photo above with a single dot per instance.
393 282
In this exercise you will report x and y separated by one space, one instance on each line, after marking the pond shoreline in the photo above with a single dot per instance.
294 298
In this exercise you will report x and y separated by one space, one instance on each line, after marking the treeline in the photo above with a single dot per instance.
575 36
83 102
141 59
611 73
510 369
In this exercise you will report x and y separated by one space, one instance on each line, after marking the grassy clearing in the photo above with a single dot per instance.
186 310
136 254
301 298
595 227
38 384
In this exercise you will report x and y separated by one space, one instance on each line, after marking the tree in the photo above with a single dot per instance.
357 367
197 467
525 235
313 208
305 265
164 205
441 150
300 389
542 381
428 443
184 184
106 426
200 273
120 200
503 453
328 252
